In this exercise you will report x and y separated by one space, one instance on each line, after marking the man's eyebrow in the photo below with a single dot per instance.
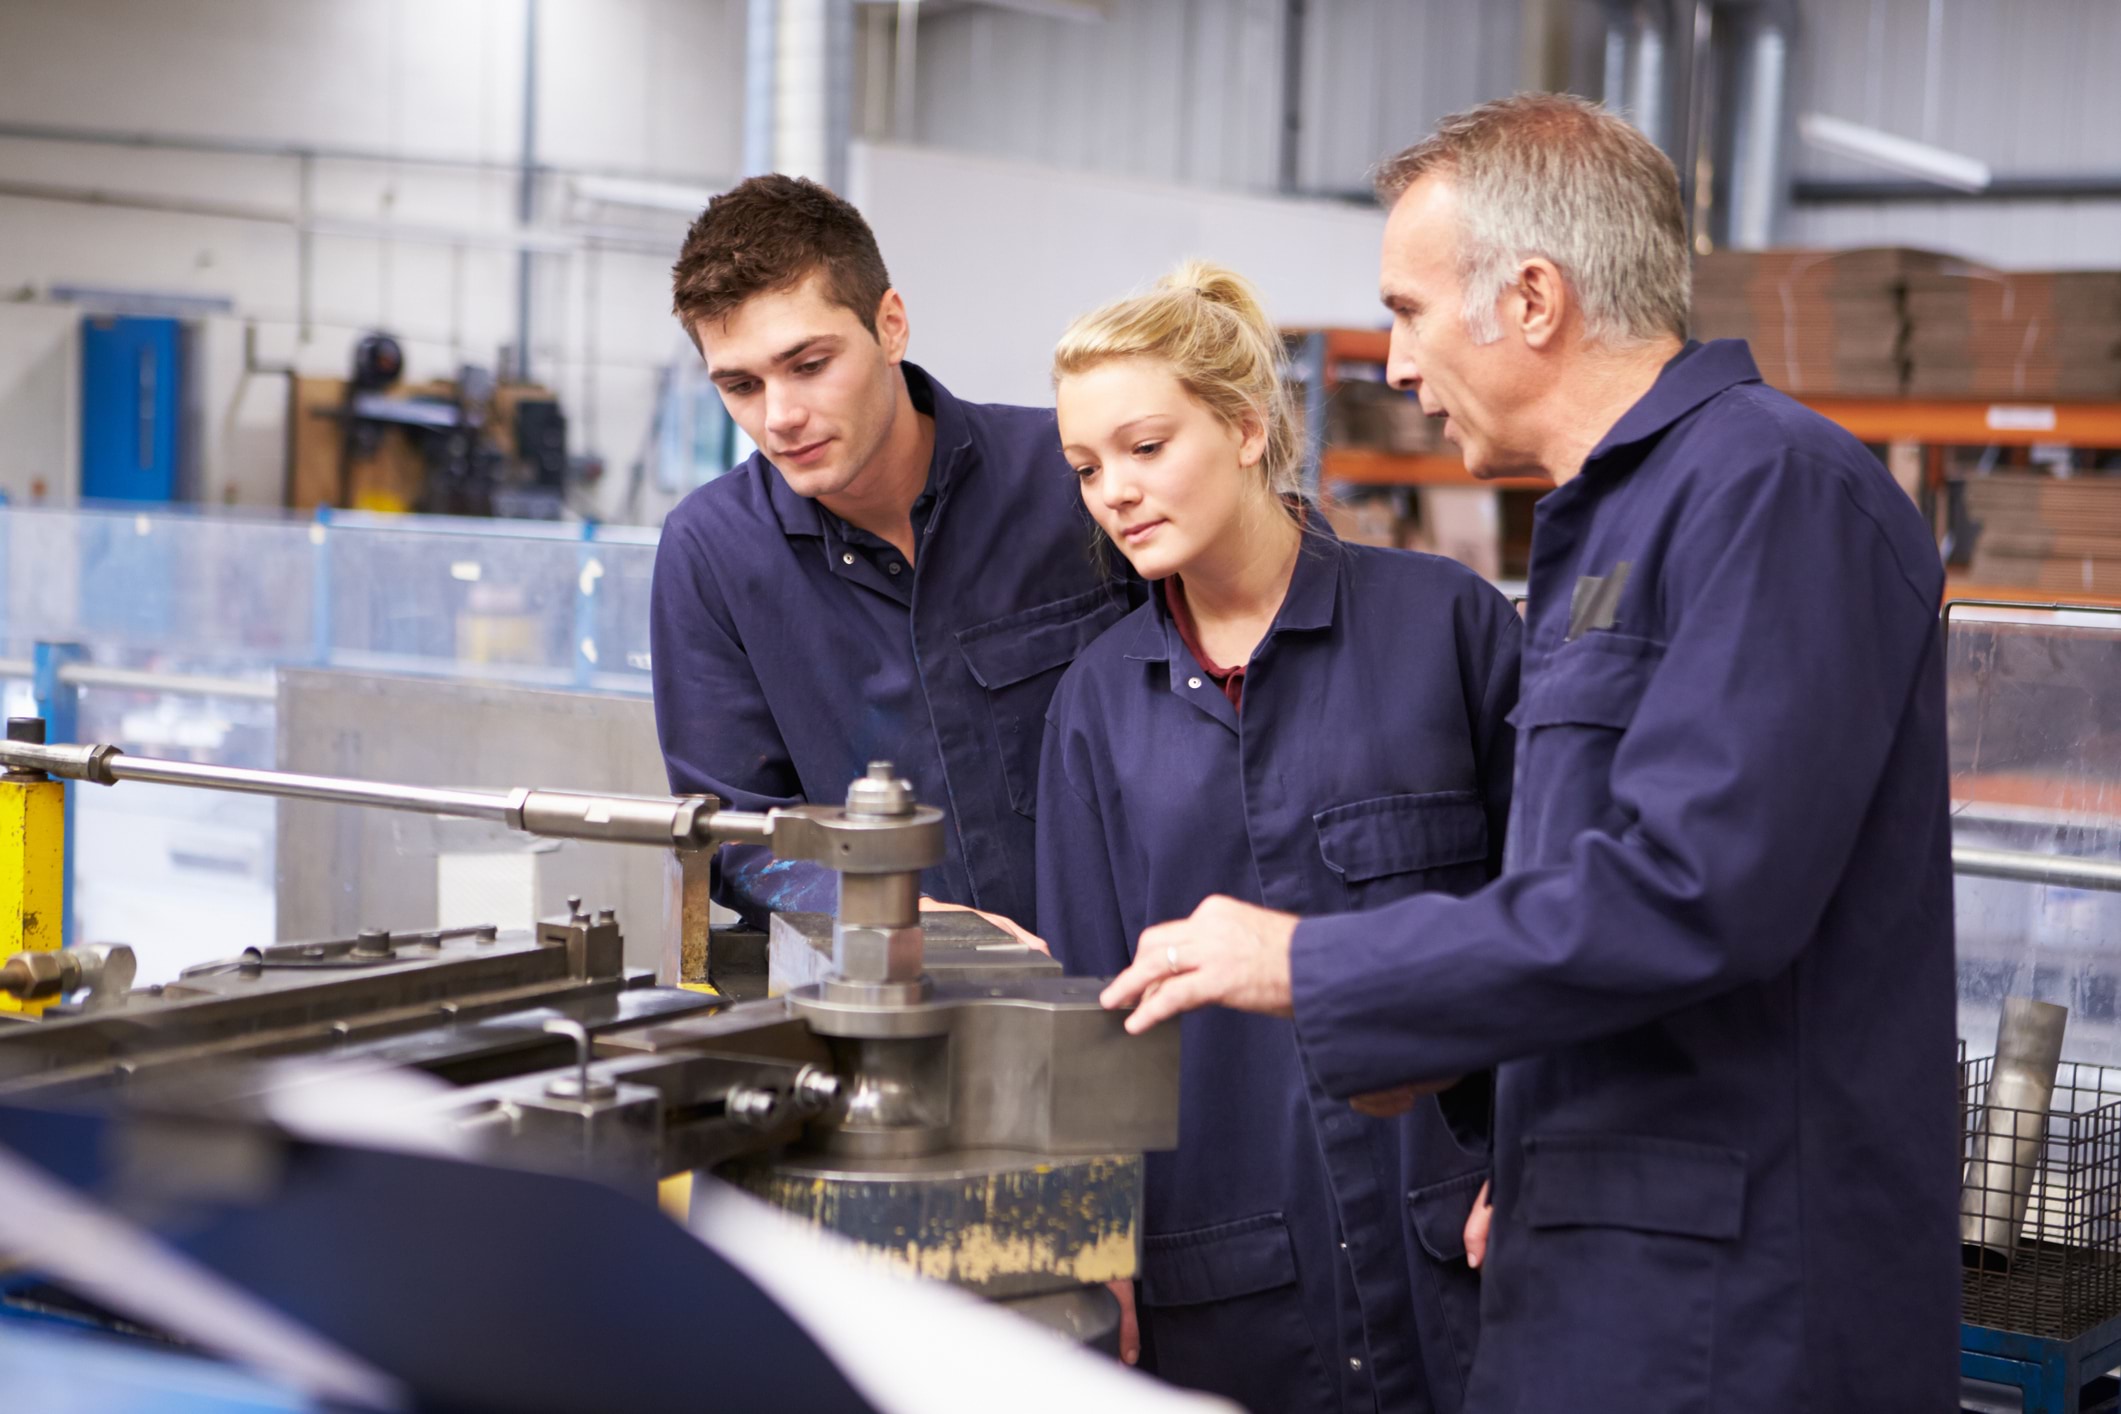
796 350
787 355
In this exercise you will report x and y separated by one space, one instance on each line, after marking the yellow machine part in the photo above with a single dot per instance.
674 1196
32 871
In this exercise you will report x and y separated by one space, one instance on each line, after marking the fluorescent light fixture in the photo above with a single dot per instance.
1078 11
1915 159
1074 11
647 196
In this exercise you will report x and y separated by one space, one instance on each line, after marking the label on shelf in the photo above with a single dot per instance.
2016 417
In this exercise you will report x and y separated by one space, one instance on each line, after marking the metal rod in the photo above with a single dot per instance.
2025 606
240 147
519 239
87 675
305 256
2030 868
1999 1181
1833 191
428 800
685 822
527 187
1694 113
905 45
1288 149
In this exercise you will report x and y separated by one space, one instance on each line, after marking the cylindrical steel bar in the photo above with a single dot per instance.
670 821
2032 868
2021 1087
191 684
428 800
880 900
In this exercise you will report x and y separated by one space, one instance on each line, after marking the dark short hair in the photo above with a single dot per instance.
770 233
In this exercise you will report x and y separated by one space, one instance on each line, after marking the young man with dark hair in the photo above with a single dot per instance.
895 575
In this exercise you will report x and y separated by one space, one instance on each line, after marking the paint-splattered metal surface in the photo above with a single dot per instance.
997 1223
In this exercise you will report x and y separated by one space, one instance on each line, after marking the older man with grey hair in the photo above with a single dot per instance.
1715 983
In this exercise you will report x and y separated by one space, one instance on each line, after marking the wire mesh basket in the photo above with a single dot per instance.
2041 1206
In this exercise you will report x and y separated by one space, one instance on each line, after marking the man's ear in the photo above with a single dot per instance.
892 330
1540 302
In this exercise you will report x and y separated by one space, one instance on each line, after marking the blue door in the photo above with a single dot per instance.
131 387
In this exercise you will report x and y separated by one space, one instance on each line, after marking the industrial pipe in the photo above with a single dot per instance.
2028 868
670 821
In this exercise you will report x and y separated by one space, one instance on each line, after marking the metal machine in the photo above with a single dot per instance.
981 1127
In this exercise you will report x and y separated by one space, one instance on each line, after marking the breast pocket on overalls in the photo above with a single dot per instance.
1622 1245
1570 721
1223 1312
1019 660
1395 845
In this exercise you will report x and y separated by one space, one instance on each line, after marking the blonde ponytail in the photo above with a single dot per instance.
1206 323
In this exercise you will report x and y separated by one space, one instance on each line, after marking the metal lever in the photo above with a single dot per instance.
881 831
578 1086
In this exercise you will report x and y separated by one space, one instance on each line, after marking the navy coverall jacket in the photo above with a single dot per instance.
1371 761
1717 974
791 649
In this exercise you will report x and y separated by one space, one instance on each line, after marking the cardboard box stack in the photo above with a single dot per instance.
1979 333
2047 532
1819 322
1362 413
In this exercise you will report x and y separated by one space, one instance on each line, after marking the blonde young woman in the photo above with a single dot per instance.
1300 723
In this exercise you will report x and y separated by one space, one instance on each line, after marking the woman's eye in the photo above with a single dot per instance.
1147 449
1086 472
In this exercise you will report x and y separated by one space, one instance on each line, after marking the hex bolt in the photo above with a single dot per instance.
752 1106
815 1090
373 942
34 975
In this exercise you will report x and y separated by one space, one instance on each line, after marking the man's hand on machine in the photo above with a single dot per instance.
1227 954
1009 926
1236 955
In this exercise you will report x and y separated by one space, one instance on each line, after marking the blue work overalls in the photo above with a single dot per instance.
1717 973
791 649
1297 1256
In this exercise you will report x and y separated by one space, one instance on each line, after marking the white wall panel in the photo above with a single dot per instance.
1029 249
2028 87
1191 91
